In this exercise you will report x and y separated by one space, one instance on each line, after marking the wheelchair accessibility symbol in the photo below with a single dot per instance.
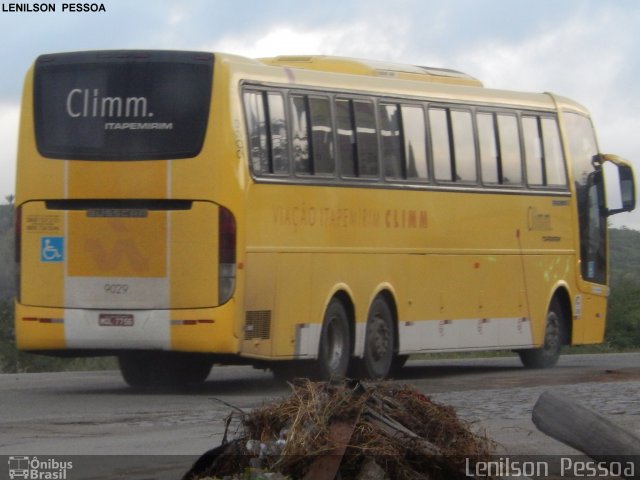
52 249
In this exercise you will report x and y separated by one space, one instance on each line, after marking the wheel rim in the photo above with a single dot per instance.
335 344
379 339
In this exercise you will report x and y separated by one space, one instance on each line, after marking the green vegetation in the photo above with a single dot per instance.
623 320
623 326
7 259
625 256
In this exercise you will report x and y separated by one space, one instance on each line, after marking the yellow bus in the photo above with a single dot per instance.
315 215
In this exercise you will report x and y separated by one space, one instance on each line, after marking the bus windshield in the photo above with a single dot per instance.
590 198
122 105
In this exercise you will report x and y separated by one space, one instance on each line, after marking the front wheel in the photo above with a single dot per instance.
547 355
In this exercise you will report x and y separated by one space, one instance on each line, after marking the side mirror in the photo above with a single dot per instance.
626 184
627 188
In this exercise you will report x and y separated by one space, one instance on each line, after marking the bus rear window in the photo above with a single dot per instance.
122 105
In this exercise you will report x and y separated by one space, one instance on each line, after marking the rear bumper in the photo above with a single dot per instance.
206 330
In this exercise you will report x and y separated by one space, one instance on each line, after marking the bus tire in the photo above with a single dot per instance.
547 355
379 342
161 370
288 370
190 368
334 352
140 369
399 361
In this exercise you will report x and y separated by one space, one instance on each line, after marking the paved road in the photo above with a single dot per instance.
94 413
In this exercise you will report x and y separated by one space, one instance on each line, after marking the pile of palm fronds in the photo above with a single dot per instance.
325 431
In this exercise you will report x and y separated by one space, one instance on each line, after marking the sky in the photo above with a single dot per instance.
588 50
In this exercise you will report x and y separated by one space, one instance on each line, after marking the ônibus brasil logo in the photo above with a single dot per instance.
32 468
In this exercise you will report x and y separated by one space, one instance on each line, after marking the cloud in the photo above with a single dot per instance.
591 62
361 39
583 49
9 119
569 57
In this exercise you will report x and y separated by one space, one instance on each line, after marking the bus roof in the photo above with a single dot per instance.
391 78
374 68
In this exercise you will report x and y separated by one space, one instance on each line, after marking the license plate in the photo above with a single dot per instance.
115 320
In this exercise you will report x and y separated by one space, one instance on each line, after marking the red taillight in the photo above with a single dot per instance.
227 232
43 320
226 255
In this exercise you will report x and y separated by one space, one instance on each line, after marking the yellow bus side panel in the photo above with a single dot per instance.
592 320
278 288
466 286
544 273
294 293
259 305
489 289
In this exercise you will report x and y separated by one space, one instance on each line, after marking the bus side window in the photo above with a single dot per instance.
554 160
367 138
543 152
499 142
533 151
323 149
278 131
300 134
415 142
256 124
487 140
391 141
510 155
441 148
346 136
463 146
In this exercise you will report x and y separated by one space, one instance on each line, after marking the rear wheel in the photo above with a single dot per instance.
285 371
398 362
547 355
163 369
379 341
335 343
193 368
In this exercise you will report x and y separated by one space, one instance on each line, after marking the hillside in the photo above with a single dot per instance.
7 259
625 256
